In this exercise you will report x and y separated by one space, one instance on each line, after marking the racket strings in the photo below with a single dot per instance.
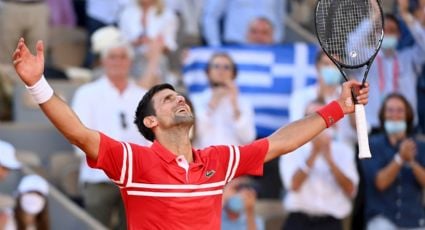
349 30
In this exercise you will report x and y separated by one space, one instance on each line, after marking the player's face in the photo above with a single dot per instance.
171 109
395 110
117 63
221 70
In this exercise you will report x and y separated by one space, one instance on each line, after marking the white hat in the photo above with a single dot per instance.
107 38
7 156
33 183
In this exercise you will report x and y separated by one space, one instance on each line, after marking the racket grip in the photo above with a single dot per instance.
362 135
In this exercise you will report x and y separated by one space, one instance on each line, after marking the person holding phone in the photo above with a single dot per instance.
222 115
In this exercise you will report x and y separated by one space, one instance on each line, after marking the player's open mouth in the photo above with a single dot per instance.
183 109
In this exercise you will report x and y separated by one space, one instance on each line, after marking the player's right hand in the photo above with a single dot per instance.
27 66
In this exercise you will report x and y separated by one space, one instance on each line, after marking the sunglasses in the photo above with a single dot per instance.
123 120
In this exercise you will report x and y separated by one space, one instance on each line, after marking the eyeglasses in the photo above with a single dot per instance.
219 66
123 120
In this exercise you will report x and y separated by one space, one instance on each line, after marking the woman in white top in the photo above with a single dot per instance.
144 23
31 210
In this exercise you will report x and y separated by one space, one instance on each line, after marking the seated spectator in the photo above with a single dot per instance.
260 32
144 23
31 210
222 115
395 175
321 179
239 199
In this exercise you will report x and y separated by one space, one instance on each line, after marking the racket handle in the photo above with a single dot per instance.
362 135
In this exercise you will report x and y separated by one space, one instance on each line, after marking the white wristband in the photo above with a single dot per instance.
398 159
40 91
304 167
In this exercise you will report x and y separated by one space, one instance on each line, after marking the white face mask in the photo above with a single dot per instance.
32 203
389 42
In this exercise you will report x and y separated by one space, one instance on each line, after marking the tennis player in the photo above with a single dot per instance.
170 185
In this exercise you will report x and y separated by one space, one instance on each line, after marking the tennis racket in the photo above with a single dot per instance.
350 32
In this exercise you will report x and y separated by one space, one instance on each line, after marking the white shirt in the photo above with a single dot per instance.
165 24
100 106
410 60
106 11
320 194
301 98
219 127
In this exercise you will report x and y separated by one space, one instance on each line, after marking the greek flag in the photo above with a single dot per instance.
267 76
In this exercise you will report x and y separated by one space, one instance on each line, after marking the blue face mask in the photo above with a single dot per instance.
235 204
389 42
330 75
393 127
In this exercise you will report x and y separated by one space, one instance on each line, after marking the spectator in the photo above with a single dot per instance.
239 198
108 105
222 115
328 86
22 18
260 32
395 175
145 22
101 13
32 209
396 70
321 180
236 16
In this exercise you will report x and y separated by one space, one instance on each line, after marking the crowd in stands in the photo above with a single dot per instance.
132 45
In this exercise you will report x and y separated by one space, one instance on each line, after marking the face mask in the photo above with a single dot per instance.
393 127
235 204
32 203
330 75
389 42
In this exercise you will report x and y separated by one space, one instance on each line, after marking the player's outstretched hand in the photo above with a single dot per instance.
27 66
346 101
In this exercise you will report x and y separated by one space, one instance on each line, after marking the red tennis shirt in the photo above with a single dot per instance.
163 191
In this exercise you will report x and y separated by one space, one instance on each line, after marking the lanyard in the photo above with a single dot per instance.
396 73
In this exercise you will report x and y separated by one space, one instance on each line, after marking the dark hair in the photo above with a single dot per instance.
41 219
145 108
225 55
408 107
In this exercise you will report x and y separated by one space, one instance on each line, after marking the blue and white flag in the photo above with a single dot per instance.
266 77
